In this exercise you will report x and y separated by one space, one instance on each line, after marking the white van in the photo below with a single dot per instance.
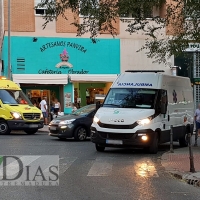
140 108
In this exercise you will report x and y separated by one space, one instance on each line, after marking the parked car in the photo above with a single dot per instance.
76 125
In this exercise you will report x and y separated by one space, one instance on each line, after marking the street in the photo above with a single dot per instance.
87 174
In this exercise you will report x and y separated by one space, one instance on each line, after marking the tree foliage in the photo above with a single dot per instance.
166 35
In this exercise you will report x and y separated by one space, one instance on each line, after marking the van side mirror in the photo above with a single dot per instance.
163 108
98 105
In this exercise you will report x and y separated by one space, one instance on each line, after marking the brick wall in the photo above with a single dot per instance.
65 25
22 15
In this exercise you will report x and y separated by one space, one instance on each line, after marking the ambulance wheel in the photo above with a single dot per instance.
99 148
153 149
4 129
183 142
31 131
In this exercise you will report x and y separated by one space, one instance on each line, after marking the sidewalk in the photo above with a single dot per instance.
178 163
44 129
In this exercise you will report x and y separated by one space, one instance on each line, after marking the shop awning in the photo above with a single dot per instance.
92 77
41 78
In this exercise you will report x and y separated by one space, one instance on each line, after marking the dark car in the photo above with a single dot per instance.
76 125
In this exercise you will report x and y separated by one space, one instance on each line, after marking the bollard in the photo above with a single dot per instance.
192 169
171 139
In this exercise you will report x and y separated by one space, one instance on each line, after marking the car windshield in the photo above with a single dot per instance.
14 97
84 110
130 98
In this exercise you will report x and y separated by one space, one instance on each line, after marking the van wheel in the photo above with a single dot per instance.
153 149
99 148
80 134
31 131
183 142
4 129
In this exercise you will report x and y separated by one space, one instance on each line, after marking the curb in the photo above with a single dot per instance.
188 178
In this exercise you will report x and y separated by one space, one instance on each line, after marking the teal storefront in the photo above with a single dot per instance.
63 68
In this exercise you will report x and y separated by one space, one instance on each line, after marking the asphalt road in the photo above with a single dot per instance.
86 174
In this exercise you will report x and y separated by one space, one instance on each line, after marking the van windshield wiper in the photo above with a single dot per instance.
111 105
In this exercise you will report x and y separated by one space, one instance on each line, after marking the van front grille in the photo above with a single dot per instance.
116 136
113 126
31 116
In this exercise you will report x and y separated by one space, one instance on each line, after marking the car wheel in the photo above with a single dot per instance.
31 131
4 129
183 142
153 149
80 134
99 148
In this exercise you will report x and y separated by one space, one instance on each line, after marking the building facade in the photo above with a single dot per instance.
56 63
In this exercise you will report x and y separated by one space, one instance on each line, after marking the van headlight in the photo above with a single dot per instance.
145 121
96 119
16 115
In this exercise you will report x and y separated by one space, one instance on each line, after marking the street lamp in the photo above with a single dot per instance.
9 65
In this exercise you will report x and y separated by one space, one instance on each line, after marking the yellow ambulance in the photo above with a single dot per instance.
16 110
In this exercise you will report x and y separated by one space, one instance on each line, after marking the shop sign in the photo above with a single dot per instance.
64 44
193 47
64 64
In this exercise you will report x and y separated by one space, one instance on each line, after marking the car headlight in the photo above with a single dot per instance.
145 121
66 122
96 119
16 115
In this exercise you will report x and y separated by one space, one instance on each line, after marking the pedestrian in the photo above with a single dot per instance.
57 107
197 121
74 107
78 105
52 110
44 107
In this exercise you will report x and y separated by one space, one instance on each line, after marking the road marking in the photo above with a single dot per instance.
145 168
101 167
65 164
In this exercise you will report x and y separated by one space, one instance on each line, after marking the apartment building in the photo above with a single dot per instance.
55 63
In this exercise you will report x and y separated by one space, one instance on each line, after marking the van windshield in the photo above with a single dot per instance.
14 97
131 98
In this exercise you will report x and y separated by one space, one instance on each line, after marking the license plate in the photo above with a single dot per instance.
33 126
52 128
114 142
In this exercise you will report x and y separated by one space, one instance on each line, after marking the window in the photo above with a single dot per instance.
39 11
191 9
14 97
137 12
131 98
88 8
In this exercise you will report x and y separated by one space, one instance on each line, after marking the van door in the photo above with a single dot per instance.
165 118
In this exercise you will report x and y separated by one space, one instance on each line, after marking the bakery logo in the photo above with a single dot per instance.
64 56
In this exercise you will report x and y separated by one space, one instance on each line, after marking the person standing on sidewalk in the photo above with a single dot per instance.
197 122
44 107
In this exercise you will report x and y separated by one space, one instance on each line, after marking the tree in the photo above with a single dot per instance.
180 19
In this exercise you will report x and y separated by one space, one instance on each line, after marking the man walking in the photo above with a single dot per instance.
197 121
43 107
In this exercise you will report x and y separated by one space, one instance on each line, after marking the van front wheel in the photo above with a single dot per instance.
183 141
4 129
153 149
99 148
